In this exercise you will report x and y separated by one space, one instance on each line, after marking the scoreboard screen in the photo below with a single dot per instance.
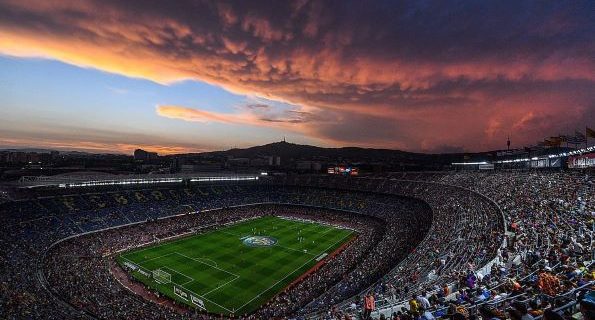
343 170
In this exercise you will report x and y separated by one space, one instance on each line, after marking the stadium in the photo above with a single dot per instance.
297 160
297 246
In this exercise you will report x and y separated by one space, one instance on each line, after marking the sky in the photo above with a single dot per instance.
191 76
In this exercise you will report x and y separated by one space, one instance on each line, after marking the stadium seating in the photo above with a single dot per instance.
482 244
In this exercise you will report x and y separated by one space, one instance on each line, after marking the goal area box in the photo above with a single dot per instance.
161 276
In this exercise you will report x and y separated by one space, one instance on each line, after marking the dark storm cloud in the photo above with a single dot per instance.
416 75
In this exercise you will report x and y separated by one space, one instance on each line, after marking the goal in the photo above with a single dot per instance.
161 276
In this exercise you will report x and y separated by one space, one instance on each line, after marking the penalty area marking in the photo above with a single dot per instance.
215 267
306 226
183 285
203 296
155 258
184 275
221 286
207 259
211 301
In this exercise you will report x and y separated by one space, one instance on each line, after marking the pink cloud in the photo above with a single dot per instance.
365 74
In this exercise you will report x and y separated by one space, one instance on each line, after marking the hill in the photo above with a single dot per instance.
288 150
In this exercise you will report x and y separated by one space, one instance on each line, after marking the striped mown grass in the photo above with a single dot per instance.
236 268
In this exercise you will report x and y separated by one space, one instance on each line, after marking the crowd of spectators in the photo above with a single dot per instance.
444 255
541 269
71 215
79 271
466 232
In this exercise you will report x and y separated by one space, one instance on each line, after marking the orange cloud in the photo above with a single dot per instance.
254 115
449 74
188 114
95 147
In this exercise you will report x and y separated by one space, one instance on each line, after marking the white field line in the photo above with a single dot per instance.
312 222
156 258
276 283
305 225
207 259
309 227
185 256
221 285
184 236
184 275
329 230
235 277
229 233
183 286
213 302
296 250
276 245
161 242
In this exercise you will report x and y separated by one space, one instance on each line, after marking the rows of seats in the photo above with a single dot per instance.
544 266
464 265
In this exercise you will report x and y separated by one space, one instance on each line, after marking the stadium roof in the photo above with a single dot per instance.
91 179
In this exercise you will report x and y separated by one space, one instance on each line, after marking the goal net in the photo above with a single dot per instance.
161 276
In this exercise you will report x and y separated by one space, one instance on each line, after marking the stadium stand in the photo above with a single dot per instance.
451 245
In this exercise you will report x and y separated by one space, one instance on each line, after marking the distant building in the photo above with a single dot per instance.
27 157
140 154
17 157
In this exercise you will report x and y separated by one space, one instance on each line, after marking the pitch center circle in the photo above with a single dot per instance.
259 241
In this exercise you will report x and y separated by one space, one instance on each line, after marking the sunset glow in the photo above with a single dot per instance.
107 76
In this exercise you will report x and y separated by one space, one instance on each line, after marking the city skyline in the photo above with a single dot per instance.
431 77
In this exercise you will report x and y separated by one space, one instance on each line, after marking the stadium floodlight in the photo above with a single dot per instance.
468 163
161 276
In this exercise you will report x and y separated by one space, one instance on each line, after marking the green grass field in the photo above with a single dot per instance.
232 270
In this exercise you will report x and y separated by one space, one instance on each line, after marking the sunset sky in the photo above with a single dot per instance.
189 76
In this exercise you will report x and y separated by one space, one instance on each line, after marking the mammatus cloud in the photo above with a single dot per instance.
252 115
407 75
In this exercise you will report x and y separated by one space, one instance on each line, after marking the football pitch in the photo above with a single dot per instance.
236 268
